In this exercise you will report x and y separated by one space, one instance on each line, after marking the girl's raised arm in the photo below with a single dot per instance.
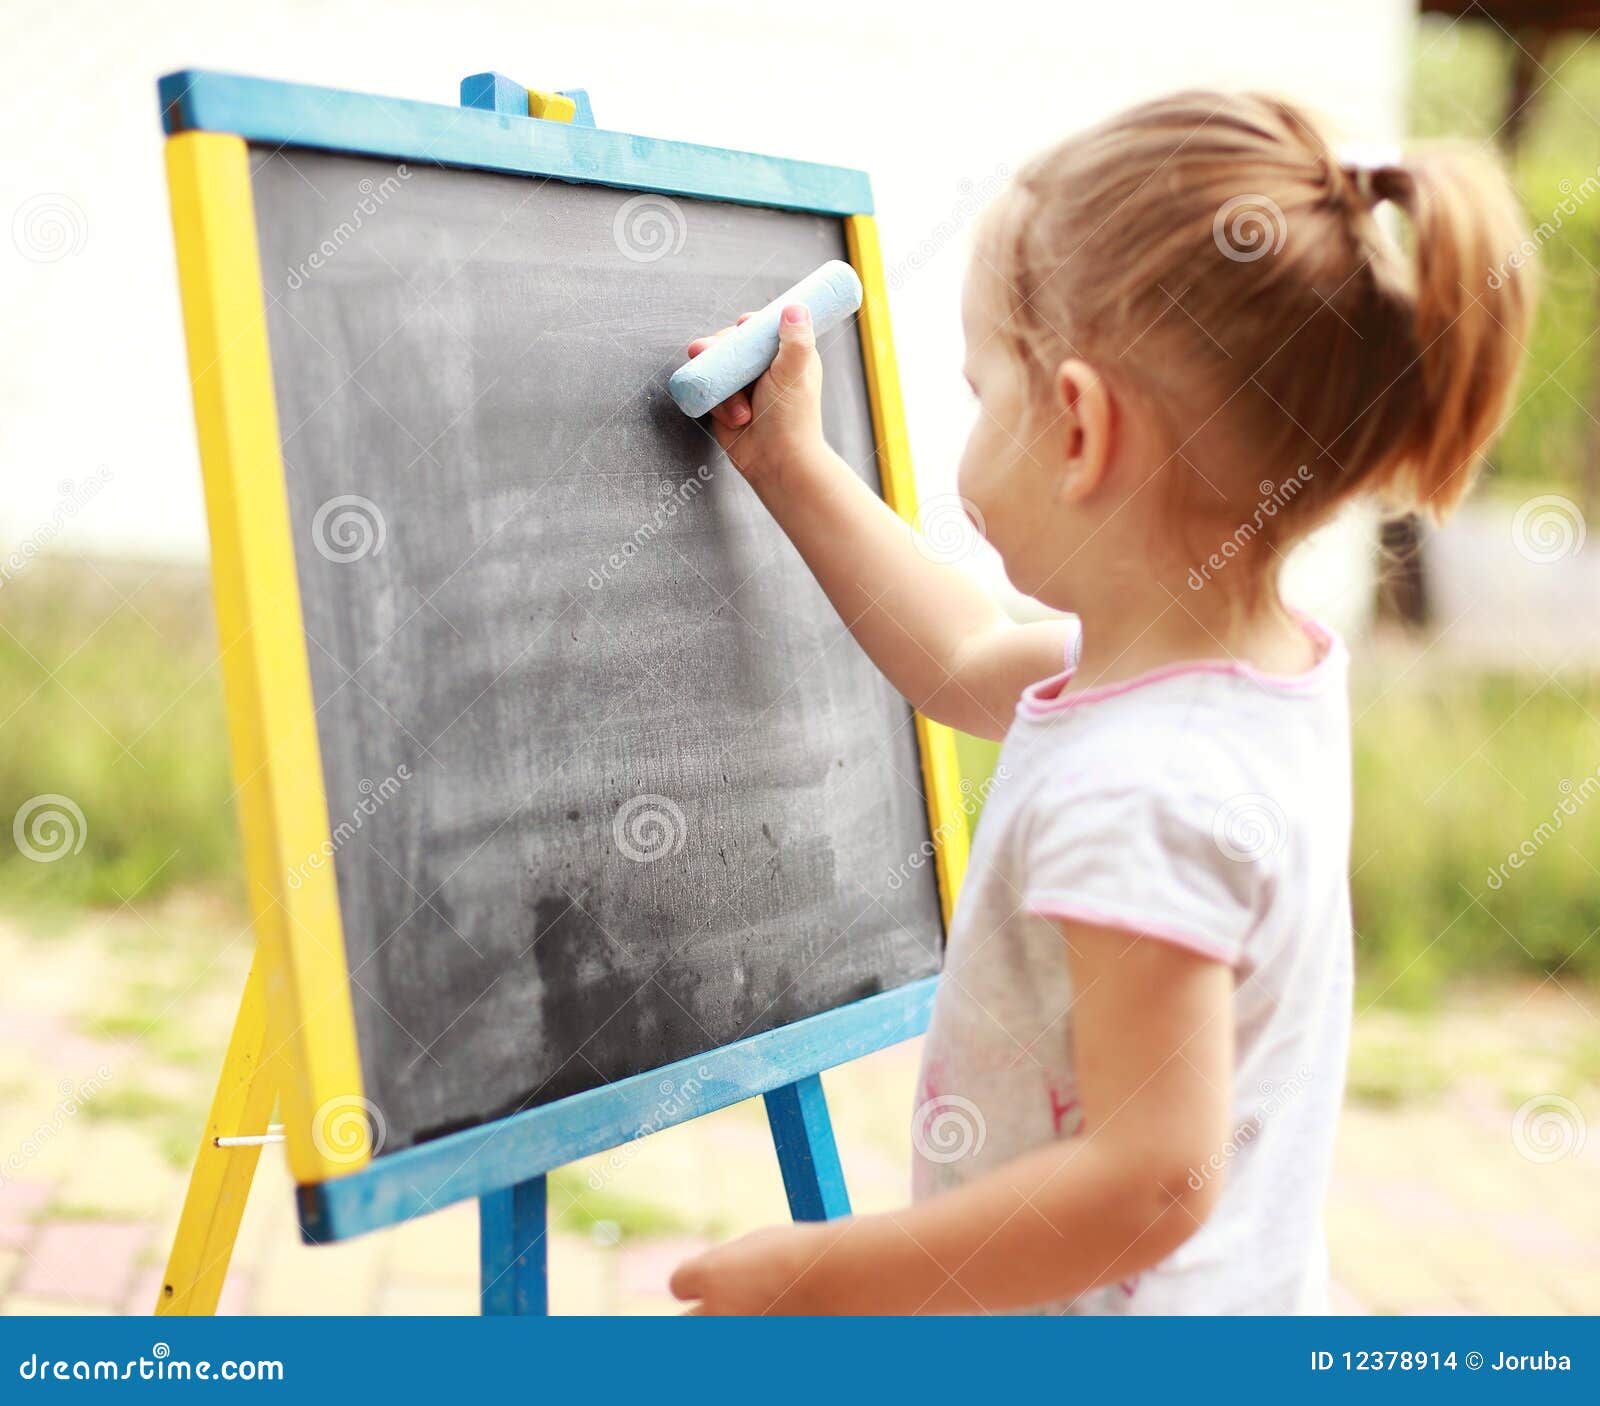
932 630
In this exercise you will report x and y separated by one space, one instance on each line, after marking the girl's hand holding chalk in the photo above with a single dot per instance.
778 421
830 295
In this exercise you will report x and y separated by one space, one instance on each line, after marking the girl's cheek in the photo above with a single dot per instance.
978 460
981 477
969 472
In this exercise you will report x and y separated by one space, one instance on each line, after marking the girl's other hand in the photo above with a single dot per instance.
777 422
768 1272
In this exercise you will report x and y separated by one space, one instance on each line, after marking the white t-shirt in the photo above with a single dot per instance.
1206 805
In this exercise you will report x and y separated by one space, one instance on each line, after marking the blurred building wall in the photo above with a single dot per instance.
937 101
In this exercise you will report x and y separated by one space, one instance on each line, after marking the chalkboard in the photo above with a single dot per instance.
609 783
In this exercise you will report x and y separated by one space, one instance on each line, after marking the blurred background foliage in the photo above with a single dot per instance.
1462 76
110 693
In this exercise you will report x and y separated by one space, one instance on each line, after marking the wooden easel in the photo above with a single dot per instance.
502 1164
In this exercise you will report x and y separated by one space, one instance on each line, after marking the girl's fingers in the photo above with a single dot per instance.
734 412
688 1281
701 343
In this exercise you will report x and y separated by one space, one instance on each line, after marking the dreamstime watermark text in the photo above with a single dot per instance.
75 497
76 1095
972 800
1274 1099
971 197
1274 498
1573 797
373 796
677 1098
1572 196
159 1366
374 196
674 498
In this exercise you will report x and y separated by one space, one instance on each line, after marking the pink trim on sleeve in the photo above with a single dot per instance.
1072 911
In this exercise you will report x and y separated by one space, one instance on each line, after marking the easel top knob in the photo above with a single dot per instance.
494 92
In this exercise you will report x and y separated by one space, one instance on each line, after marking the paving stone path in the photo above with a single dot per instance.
1439 1205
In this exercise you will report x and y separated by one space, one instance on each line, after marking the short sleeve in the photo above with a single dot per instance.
1146 860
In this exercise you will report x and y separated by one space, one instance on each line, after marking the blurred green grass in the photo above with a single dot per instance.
1453 773
109 695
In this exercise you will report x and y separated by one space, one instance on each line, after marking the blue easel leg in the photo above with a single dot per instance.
511 1242
803 1135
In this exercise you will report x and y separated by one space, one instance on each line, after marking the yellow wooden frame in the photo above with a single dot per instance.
949 812
265 671
219 1185
294 1042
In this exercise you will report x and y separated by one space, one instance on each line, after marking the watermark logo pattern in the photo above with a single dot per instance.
649 827
1249 227
349 528
49 827
648 228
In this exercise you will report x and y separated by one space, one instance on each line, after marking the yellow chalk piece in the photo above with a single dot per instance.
949 800
266 676
553 107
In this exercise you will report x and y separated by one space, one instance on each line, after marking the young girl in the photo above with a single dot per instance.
1191 343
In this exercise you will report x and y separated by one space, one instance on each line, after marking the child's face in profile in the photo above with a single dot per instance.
1006 476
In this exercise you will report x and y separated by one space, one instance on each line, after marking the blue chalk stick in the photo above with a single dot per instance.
832 293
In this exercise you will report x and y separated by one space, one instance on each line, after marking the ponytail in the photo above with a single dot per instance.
1244 281
1473 306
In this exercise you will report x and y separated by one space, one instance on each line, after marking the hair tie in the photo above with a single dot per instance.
1362 162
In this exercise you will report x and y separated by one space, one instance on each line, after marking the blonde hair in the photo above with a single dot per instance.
1212 255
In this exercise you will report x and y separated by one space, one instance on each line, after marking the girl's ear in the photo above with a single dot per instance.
1084 429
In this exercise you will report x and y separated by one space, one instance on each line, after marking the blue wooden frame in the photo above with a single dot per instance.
491 139
503 1164
513 1278
399 1186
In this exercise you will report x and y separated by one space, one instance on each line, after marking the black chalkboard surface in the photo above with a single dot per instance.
608 781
